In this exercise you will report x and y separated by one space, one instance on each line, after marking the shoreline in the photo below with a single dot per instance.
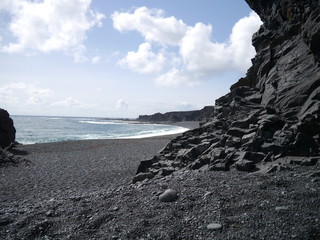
78 166
82 190
189 125
75 167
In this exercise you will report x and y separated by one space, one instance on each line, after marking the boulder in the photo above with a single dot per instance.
7 129
244 165
168 195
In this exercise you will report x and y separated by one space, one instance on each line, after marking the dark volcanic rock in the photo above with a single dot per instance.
271 113
9 159
197 115
7 130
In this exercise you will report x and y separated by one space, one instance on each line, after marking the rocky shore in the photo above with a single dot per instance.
252 171
83 190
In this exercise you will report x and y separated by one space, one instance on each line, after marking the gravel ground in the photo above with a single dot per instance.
72 167
82 190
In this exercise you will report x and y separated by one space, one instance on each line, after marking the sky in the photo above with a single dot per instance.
124 58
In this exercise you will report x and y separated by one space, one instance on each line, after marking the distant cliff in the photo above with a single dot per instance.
197 115
271 117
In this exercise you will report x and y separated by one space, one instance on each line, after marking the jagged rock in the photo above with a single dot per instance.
145 164
244 165
246 138
199 163
310 161
218 166
274 111
142 176
7 130
167 171
236 132
233 142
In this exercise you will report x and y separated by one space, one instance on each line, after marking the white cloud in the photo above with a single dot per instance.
96 59
144 60
185 106
204 58
199 53
152 24
240 38
175 78
50 25
199 56
18 93
69 102
122 104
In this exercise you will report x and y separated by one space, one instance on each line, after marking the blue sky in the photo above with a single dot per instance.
121 58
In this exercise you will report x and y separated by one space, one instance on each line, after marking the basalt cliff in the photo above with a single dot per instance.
196 115
270 118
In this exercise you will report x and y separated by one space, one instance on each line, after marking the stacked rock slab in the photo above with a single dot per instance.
7 130
270 116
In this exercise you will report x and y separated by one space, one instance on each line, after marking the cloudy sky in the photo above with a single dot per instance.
103 58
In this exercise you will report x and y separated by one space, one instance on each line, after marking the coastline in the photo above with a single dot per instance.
75 167
82 190
91 130
79 165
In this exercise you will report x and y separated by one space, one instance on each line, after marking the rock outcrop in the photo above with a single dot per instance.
196 115
7 130
9 159
271 117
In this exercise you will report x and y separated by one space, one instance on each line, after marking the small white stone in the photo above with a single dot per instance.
214 226
207 194
281 209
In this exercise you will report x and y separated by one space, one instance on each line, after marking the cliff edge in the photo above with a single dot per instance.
196 115
270 118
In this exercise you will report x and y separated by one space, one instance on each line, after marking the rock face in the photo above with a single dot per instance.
7 130
271 117
197 115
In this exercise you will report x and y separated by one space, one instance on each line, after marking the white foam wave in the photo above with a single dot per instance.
158 133
103 122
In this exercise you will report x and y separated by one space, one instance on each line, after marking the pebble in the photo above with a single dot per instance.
214 226
115 209
168 195
50 213
207 194
282 209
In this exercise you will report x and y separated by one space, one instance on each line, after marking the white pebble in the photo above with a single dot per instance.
214 226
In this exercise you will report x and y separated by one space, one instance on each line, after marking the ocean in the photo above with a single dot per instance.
41 129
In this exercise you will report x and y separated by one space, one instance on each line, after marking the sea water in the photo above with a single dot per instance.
38 129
